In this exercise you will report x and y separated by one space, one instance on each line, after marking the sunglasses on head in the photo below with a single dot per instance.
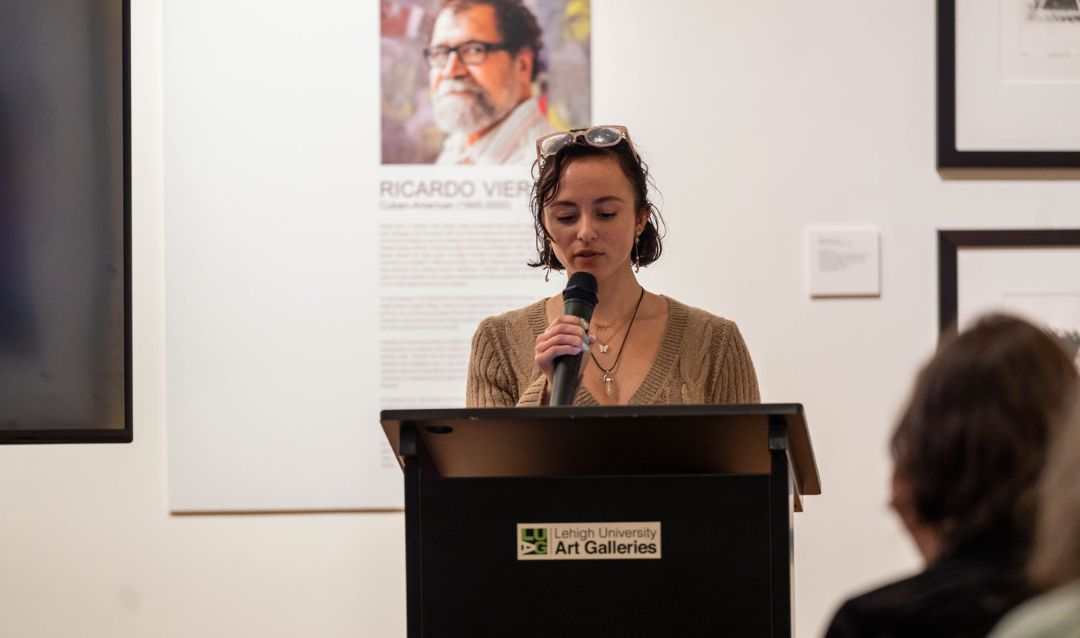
596 136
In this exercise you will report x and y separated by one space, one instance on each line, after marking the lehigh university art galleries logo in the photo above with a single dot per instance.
533 541
588 541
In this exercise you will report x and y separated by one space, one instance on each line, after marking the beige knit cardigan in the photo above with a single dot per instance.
702 359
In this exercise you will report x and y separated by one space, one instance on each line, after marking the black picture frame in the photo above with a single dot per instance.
948 156
126 433
951 241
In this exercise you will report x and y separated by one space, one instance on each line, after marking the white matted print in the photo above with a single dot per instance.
1041 284
1060 313
1040 40
1017 84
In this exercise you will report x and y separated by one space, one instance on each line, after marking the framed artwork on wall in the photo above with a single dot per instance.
1008 83
1034 274
65 222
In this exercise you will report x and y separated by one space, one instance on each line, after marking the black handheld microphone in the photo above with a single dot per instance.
579 299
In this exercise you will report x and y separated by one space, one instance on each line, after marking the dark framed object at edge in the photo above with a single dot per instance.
950 241
122 434
948 156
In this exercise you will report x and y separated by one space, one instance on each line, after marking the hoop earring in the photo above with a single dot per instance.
637 253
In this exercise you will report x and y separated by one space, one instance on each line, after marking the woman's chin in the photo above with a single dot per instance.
592 270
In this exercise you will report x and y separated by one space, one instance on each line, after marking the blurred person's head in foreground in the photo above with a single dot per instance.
971 444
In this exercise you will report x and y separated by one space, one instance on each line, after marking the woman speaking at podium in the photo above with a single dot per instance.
592 214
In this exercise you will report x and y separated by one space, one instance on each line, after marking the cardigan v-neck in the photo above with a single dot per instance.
661 367
701 359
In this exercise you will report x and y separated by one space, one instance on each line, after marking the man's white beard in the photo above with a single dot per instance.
466 113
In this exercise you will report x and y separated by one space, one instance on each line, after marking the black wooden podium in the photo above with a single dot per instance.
490 494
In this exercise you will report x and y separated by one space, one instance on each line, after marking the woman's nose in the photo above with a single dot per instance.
586 231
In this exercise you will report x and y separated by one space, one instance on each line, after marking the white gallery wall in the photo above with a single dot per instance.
758 120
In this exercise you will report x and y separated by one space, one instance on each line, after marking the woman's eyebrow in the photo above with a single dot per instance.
608 198
567 203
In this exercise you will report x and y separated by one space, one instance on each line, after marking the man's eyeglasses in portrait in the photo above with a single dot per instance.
471 52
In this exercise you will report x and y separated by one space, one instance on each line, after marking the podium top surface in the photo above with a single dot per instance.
607 440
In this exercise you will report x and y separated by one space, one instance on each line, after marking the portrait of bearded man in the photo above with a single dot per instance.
482 61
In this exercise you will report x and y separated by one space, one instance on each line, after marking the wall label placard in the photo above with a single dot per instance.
843 261
588 541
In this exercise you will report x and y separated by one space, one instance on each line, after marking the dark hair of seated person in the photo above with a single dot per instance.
972 442
967 452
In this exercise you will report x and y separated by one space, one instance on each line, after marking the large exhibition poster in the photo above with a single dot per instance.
346 196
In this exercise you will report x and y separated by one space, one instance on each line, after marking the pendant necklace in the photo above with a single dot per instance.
609 373
601 327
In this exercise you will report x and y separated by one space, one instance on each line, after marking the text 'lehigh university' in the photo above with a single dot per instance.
588 541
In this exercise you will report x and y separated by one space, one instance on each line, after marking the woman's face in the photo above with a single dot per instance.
591 221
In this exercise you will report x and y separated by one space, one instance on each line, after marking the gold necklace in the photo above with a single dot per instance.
608 374
604 327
